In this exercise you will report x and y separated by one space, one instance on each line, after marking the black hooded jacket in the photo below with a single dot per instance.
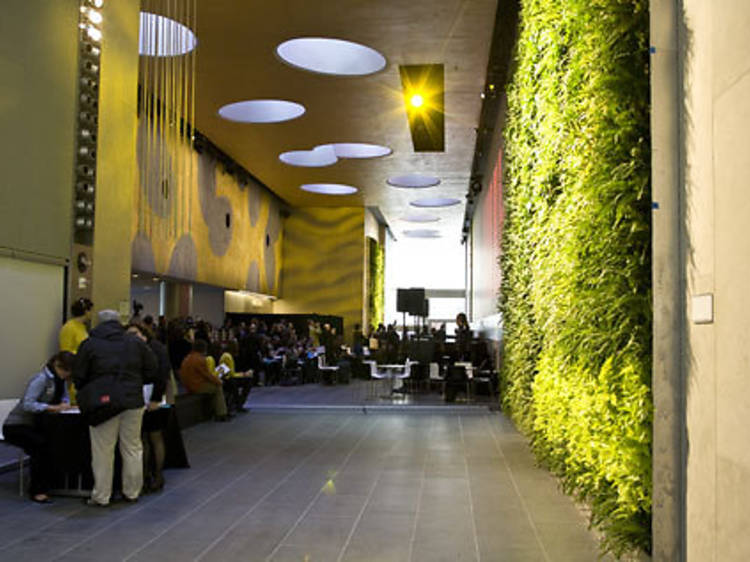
123 358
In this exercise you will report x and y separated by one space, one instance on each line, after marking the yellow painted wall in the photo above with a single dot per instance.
324 270
191 241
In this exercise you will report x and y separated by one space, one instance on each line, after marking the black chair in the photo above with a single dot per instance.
456 380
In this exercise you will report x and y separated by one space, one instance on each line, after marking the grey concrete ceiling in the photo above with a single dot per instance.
236 60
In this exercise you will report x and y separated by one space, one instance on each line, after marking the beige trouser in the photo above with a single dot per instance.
127 426
219 404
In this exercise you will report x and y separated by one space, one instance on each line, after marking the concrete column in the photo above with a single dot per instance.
116 154
668 392
178 299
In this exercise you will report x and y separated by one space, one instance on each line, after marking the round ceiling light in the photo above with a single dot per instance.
261 111
413 180
329 188
164 37
319 156
331 56
360 150
435 202
422 233
420 218
327 154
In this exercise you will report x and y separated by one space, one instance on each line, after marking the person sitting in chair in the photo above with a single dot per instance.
44 395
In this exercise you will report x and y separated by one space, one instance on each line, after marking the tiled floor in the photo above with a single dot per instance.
323 487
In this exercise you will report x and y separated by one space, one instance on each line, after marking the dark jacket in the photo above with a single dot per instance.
122 360
163 369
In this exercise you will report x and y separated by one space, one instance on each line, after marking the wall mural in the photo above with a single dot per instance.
324 269
226 234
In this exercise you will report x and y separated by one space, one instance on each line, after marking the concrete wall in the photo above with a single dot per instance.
38 65
324 269
715 60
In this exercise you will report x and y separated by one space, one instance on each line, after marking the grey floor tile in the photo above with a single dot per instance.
321 532
305 554
299 485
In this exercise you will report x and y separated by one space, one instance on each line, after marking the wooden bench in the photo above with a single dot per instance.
192 409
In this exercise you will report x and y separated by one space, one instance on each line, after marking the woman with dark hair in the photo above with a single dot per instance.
44 394
154 424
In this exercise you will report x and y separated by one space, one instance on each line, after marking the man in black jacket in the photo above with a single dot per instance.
109 372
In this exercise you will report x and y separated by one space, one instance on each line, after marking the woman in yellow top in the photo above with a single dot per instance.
237 391
74 332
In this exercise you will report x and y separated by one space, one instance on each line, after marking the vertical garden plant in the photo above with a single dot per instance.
576 269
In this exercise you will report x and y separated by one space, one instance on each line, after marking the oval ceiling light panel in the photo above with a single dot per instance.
329 188
331 56
413 181
420 218
261 111
359 150
435 202
422 233
317 157
164 37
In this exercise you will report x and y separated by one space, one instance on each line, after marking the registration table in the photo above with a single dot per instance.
70 450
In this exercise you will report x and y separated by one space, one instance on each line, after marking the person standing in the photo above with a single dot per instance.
44 394
74 332
154 422
109 371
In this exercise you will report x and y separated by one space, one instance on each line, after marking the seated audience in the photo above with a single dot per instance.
44 395
197 379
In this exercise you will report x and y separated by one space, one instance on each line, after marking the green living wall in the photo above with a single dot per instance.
376 290
576 287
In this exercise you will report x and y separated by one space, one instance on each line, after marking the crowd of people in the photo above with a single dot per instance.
121 376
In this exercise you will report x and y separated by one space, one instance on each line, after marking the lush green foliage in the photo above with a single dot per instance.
576 293
376 289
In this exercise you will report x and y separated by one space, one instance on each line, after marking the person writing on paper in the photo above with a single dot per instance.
44 395
152 435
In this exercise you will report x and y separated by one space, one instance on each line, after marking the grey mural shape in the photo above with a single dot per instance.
273 228
143 254
254 194
157 179
184 261
270 262
253 277
214 209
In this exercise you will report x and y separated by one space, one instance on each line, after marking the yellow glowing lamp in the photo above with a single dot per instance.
416 100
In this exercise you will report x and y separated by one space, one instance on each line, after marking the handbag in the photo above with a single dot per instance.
101 399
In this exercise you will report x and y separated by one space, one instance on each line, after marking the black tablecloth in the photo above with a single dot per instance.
70 449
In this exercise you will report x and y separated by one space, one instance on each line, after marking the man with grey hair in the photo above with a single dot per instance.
110 369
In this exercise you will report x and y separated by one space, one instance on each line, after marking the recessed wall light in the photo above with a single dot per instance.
261 111
164 37
331 56
329 188
435 202
413 181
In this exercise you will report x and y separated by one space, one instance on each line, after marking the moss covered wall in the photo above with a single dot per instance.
576 270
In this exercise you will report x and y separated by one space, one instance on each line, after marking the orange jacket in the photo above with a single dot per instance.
194 372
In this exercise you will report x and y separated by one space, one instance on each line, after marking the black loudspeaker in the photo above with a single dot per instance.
425 308
410 301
